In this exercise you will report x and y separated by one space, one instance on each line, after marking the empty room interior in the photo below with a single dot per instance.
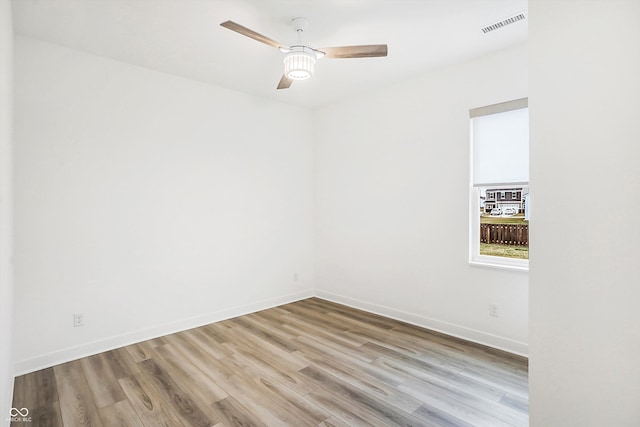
208 218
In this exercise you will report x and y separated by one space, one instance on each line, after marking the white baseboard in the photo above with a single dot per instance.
72 353
469 334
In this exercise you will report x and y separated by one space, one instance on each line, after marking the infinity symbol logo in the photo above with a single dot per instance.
15 412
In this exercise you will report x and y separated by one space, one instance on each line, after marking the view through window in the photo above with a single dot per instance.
504 222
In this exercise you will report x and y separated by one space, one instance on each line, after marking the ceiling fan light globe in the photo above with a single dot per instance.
299 65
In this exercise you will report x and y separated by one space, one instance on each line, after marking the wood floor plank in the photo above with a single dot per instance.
366 317
301 327
77 406
411 347
147 403
422 363
320 343
103 383
343 411
247 339
316 317
235 415
38 393
261 406
307 363
174 395
121 363
46 415
368 405
515 402
464 405
504 381
333 422
280 364
120 414
204 341
357 318
209 366
141 351
367 383
439 418
291 378
477 353
201 386
368 366
37 389
20 388
259 330
452 381
274 317
298 406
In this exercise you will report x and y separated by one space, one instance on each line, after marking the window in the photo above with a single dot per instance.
499 231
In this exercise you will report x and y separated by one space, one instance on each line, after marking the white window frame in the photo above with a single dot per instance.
475 258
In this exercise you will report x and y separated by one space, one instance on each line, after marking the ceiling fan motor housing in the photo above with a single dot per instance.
299 64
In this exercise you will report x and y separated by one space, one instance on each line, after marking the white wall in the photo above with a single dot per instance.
149 202
392 204
585 246
6 284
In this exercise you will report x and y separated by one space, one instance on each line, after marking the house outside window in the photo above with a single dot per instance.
514 200
499 187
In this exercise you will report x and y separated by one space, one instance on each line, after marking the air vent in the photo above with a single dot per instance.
515 18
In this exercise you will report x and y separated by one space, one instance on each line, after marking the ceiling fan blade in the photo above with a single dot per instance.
285 82
365 51
250 33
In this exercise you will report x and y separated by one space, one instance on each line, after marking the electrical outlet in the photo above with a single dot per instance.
494 310
78 320
295 277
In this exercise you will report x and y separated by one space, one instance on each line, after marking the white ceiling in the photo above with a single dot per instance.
184 38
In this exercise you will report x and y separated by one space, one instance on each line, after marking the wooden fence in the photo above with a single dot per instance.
505 234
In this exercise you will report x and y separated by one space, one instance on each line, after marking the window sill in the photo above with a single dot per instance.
502 264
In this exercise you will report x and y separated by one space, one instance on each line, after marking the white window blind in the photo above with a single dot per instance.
500 137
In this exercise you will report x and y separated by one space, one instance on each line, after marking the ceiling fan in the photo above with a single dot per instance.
300 59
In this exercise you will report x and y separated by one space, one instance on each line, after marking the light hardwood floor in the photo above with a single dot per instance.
309 363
